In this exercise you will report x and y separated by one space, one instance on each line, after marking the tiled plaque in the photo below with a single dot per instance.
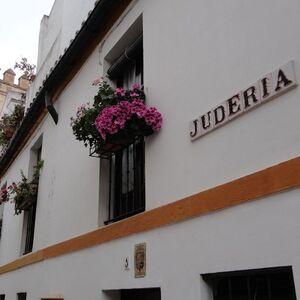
140 260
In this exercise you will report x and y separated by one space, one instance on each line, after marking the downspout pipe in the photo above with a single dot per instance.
51 109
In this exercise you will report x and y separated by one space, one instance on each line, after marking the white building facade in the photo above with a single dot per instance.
221 210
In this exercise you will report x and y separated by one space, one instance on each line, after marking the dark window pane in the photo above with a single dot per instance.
141 294
129 181
0 231
30 228
127 175
221 289
239 287
31 215
21 296
259 287
282 287
259 284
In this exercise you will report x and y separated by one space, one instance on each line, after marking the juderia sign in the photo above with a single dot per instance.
266 88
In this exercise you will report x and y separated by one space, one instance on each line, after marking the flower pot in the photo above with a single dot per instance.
25 204
34 187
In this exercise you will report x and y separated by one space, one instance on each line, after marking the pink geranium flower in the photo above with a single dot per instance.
97 81
120 92
113 118
136 86
134 94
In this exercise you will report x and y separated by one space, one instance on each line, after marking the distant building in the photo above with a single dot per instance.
11 93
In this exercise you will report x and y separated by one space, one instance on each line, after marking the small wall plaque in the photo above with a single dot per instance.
140 260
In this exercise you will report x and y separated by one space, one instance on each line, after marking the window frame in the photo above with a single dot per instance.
22 296
30 214
123 205
213 278
134 200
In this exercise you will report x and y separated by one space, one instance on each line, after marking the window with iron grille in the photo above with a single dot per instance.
126 167
0 231
3 198
29 217
1 220
260 284
2 297
30 224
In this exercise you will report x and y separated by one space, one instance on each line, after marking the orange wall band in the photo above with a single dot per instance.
262 183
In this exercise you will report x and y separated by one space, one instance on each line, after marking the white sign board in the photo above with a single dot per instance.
266 88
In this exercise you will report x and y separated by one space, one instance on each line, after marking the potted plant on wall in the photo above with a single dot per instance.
24 193
115 119
9 124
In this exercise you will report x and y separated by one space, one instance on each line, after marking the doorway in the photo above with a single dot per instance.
141 294
133 294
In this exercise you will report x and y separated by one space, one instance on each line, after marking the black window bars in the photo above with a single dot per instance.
259 284
126 182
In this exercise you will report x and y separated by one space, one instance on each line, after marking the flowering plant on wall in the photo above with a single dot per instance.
4 195
24 192
9 123
115 119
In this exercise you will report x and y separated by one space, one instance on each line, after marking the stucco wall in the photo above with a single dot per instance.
196 54
56 32
235 239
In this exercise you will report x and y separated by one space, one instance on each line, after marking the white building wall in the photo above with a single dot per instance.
176 255
50 47
50 30
71 181
196 55
56 32
12 225
74 14
204 54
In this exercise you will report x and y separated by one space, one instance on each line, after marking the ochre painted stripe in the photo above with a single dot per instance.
262 183
23 261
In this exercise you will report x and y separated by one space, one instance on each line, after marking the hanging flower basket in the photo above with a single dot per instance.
24 193
115 120
107 149
26 203
9 124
